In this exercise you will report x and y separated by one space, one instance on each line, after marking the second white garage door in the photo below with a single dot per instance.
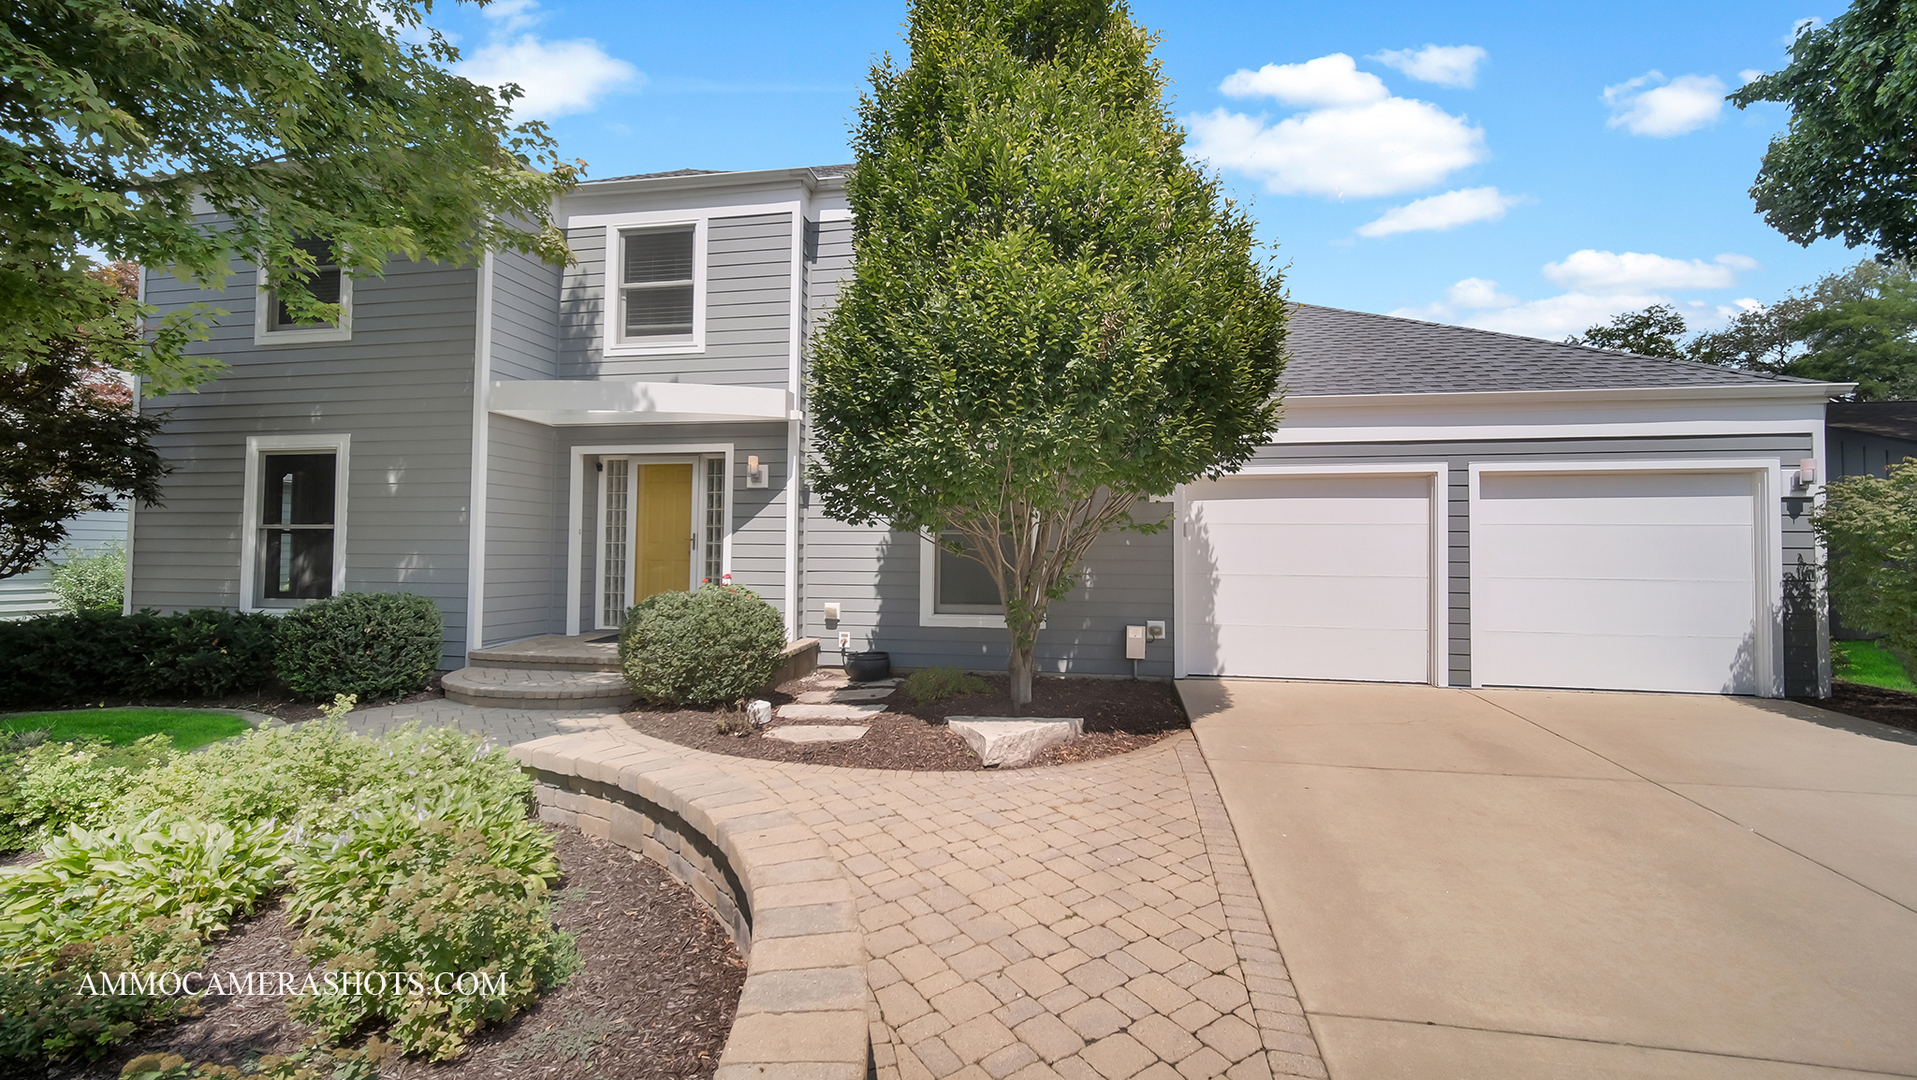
1616 581
1309 577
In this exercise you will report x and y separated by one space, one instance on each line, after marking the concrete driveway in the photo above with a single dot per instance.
1548 884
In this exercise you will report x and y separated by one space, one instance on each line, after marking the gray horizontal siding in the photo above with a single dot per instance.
748 309
873 574
525 329
525 523
401 387
1859 453
1802 641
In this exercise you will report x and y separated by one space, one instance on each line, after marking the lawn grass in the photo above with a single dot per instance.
1870 665
189 729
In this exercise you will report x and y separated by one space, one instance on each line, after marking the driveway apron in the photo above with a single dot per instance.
1523 883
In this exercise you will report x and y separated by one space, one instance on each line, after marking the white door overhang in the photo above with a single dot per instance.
636 401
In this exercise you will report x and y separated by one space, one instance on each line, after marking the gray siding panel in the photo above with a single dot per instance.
525 317
525 562
748 309
25 595
401 388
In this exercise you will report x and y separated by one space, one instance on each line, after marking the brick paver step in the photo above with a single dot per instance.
537 688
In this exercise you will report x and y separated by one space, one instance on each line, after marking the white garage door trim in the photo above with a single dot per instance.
1438 570
1767 476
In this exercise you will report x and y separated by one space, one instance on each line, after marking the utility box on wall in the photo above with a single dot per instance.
1134 643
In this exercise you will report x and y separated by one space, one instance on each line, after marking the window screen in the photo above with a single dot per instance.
964 586
296 525
656 283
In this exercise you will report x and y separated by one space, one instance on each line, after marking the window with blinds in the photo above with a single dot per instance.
656 286
323 282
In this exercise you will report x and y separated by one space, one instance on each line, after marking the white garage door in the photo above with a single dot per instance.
1309 577
1632 581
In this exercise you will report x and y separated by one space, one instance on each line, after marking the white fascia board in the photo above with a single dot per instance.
705 185
1734 410
619 207
635 401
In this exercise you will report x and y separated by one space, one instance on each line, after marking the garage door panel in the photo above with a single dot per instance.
1571 606
1385 602
1640 581
1310 577
1280 544
1620 661
1355 655
1637 552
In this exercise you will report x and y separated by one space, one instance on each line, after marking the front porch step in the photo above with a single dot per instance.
554 652
538 688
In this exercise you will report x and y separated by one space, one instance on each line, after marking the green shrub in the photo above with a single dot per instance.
931 684
445 887
717 645
371 645
92 580
82 784
142 898
1868 525
67 659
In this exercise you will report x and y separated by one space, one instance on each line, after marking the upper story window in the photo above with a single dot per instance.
275 323
658 289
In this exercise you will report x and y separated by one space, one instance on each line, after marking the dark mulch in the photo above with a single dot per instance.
1121 715
654 1000
274 700
1897 708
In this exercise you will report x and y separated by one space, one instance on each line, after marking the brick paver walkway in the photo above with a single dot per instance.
1085 922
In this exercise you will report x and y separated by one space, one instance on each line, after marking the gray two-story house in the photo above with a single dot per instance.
537 447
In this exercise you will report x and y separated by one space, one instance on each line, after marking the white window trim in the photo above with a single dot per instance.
1767 489
929 615
609 343
258 446
579 544
1438 664
265 334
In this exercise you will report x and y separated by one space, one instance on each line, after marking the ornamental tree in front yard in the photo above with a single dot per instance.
1051 312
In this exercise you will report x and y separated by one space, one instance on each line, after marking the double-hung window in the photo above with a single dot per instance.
276 324
658 286
295 510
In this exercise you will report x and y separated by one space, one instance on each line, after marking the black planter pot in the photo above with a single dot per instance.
868 666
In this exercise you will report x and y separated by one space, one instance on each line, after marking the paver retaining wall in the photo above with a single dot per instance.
767 877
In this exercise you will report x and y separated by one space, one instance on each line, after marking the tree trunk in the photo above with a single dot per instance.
1020 665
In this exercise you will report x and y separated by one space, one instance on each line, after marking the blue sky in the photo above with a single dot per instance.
1543 167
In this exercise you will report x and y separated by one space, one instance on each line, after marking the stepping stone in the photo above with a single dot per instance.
816 733
893 681
828 712
1013 740
843 697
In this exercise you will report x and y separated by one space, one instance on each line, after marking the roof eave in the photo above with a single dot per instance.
1792 391
743 178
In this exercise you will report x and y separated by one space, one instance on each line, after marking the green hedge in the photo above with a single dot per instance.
67 659
715 646
373 645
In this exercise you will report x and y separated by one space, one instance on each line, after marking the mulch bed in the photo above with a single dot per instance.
654 1000
1121 715
1896 708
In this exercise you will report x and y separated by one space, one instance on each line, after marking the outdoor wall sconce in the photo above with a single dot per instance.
755 472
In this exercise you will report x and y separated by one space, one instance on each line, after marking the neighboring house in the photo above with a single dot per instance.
26 595
533 447
1866 438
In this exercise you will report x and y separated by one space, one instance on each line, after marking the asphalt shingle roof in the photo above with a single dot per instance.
1895 419
1355 352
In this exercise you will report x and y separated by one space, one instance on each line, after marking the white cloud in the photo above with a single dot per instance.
1446 65
1799 27
1356 139
1557 317
559 77
1668 108
1439 213
1328 80
1478 293
1606 272
1747 75
512 14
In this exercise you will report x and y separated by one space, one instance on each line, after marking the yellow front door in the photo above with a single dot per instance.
665 530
